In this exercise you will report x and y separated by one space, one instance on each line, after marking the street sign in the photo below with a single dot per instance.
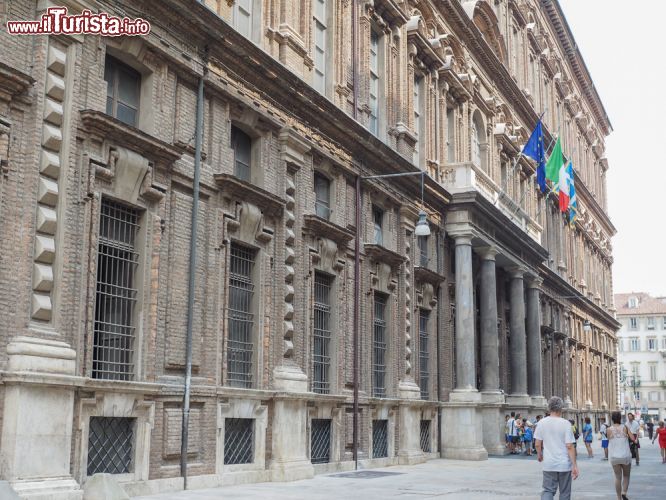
644 409
626 407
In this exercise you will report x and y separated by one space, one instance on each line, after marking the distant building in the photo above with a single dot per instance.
642 352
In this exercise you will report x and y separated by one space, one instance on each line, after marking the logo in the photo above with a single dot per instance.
56 21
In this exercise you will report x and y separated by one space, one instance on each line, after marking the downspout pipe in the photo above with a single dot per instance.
357 244
198 138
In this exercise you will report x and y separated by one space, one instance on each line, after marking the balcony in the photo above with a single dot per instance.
465 177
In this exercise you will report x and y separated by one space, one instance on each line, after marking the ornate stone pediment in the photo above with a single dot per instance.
235 189
319 226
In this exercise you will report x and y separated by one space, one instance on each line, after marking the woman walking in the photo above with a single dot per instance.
619 454
661 433
587 437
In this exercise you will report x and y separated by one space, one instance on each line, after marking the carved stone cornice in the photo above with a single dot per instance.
379 253
319 226
234 188
425 275
13 82
106 127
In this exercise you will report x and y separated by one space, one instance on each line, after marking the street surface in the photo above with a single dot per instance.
497 478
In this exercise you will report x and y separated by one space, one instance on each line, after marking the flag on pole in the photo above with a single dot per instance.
564 186
534 149
573 200
555 163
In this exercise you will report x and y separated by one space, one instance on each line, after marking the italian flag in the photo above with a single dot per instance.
563 187
555 164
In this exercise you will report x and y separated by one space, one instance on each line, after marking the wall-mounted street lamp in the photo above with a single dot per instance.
421 228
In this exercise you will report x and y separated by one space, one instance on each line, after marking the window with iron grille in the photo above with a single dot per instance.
422 242
240 342
425 436
424 354
238 441
123 87
241 143
379 438
116 293
321 342
322 187
110 445
379 346
320 441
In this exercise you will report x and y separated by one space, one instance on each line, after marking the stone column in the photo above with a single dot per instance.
464 321
488 312
534 371
518 353
462 412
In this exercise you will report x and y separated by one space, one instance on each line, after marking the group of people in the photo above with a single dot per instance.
555 439
519 433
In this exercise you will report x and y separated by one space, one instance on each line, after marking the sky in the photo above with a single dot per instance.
623 46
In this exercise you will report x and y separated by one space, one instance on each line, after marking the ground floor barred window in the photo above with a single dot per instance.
110 445
379 438
238 441
320 441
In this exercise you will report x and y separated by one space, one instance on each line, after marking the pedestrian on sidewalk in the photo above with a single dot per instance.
534 428
634 444
661 433
603 430
506 431
528 436
554 444
650 428
513 433
587 437
576 435
619 454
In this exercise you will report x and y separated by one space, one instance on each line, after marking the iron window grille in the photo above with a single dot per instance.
322 187
110 445
379 438
320 441
425 436
321 342
240 344
241 143
238 441
116 293
379 347
424 374
123 87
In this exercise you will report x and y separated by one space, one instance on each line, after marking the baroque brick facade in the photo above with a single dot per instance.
505 302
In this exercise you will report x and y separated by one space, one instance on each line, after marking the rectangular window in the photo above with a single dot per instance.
653 372
110 445
635 370
424 354
633 323
241 143
375 81
322 187
422 242
116 295
123 87
379 438
240 345
242 17
425 436
650 323
319 78
634 344
320 441
620 345
450 136
379 347
419 128
321 342
652 344
378 221
663 343
238 441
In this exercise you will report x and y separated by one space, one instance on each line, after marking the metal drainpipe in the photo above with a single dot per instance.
198 133
357 245
437 340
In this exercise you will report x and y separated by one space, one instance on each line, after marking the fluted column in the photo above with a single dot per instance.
518 339
534 370
488 323
464 321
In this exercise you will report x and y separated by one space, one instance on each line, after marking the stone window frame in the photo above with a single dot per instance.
123 406
319 173
647 344
117 68
336 416
478 121
242 408
247 127
383 412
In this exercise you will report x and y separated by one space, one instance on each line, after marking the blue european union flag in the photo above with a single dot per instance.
534 149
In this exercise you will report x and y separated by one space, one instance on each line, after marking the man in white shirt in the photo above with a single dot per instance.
512 431
634 427
603 430
554 444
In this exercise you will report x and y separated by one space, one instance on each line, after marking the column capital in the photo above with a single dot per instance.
517 272
487 253
461 237
533 281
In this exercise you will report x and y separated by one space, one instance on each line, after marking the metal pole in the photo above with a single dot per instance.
192 270
357 306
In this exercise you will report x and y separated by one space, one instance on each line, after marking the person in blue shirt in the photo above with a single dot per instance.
528 436
587 437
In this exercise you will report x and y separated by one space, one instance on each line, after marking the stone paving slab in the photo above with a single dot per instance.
503 478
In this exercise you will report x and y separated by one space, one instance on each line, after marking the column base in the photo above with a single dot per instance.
539 402
409 447
493 397
51 489
493 430
467 442
291 471
465 396
519 400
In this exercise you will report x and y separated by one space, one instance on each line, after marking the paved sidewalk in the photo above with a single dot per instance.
498 478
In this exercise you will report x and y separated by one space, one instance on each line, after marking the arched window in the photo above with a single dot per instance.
478 141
